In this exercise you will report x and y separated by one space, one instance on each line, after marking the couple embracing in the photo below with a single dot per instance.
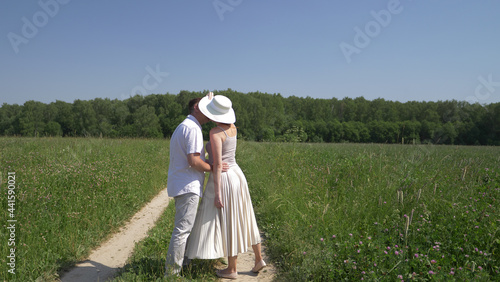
223 224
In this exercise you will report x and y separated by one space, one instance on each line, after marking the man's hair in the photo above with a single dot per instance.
192 103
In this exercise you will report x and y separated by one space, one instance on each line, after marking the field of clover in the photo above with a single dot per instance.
372 212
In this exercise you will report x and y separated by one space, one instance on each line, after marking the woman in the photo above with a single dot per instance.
225 224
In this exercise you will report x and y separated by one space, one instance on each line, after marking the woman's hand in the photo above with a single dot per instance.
218 201
210 95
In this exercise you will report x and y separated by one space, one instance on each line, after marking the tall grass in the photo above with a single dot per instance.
327 211
71 194
351 211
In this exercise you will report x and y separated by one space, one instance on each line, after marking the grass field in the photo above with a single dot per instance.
377 212
370 212
70 194
327 211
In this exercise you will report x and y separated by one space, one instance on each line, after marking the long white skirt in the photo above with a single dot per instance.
228 231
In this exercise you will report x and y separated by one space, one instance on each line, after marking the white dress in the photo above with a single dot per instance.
231 230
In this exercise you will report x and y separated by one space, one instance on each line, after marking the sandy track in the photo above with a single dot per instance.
246 262
105 261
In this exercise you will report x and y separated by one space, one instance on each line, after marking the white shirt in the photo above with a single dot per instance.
186 139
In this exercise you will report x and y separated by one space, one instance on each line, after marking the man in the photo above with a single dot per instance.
186 174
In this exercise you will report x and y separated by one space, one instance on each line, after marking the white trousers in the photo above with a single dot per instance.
186 206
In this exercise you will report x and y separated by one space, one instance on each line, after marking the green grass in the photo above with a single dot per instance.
327 211
332 211
71 194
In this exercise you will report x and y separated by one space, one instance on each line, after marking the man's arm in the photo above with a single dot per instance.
197 163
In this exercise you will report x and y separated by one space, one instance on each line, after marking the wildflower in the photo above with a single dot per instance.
321 239
396 246
385 252
304 253
400 276
362 272
350 234
359 251
375 264
388 247
431 272
433 261
369 238
334 236
480 268
476 249
361 242
416 255
452 273
396 253
377 222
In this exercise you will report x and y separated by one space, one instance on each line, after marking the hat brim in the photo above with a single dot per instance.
227 118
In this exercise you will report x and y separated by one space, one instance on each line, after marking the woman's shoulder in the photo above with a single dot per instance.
216 130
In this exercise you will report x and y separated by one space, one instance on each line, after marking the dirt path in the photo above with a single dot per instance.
106 260
246 262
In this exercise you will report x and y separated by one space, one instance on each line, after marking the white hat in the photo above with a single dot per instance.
218 109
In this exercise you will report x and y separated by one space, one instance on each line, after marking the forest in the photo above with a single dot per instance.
264 117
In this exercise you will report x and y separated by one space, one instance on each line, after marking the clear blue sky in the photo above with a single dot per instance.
397 50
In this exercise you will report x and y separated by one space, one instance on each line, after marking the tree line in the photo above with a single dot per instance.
264 117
